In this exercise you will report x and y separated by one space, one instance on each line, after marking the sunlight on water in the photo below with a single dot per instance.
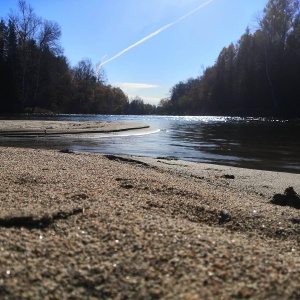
261 143
111 135
131 134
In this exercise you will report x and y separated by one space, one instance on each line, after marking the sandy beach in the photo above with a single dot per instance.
91 226
27 128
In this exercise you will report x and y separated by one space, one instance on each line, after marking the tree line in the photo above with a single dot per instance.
258 76
35 76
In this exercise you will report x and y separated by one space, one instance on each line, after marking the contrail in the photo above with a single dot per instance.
158 31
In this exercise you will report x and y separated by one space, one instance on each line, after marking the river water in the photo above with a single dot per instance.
266 144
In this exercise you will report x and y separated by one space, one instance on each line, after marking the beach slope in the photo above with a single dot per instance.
91 226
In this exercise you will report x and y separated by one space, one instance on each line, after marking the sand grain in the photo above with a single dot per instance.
82 226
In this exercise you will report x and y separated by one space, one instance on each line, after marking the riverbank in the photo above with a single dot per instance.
88 226
23 128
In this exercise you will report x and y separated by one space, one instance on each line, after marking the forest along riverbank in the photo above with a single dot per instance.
88 225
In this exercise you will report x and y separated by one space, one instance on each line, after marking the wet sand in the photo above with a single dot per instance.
90 226
23 128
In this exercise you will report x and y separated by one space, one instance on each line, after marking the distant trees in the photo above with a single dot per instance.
31 40
35 75
138 107
31 62
91 95
257 76
260 75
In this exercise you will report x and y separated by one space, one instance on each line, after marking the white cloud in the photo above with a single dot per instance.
149 93
135 85
149 100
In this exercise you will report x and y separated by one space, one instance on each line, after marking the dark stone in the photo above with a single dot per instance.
127 186
119 179
289 198
224 216
126 160
295 221
228 176
66 151
167 157
42 222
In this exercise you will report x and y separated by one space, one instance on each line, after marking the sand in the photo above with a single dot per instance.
83 225
27 128
91 226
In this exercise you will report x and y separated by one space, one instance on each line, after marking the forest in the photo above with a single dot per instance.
35 76
257 76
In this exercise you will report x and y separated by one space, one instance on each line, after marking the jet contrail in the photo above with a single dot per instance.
152 35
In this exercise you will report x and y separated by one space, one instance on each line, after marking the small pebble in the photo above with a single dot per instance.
224 216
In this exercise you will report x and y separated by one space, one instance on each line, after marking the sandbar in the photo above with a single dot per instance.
27 128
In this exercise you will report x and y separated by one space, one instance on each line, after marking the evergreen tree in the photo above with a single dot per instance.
259 75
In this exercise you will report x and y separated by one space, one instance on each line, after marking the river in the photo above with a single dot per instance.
259 143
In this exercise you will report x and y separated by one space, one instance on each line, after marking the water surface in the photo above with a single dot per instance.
266 144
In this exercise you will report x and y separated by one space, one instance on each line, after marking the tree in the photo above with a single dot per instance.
225 78
259 75
47 42
84 71
84 84
35 39
3 59
136 106
164 106
3 30
278 21
10 70
35 74
26 25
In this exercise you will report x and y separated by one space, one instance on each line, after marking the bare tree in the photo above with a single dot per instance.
26 24
33 33
48 38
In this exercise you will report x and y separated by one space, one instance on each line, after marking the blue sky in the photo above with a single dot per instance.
147 46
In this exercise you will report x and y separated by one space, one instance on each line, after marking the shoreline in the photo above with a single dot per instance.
87 225
31 128
255 180
79 135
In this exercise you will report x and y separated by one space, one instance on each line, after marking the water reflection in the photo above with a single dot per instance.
255 144
252 143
